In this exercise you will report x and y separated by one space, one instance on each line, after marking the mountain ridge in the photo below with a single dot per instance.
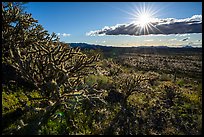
94 46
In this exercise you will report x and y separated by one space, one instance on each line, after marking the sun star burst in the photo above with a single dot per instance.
143 17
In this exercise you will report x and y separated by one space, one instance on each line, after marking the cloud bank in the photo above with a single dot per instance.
63 34
157 26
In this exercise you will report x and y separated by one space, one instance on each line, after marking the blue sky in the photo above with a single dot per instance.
74 21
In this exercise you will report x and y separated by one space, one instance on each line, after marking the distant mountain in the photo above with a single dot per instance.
152 47
187 46
93 46
110 51
88 46
162 47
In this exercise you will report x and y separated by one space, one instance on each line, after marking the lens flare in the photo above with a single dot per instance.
144 19
143 16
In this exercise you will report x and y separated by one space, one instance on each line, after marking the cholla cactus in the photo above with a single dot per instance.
39 57
152 77
19 30
128 84
55 69
50 67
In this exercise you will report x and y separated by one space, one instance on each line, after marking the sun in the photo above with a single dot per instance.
144 19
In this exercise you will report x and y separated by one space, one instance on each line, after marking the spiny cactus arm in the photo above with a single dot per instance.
15 53
134 83
32 68
43 49
68 55
54 55
93 58
76 83
82 64
66 67
36 72
58 49
130 84
73 93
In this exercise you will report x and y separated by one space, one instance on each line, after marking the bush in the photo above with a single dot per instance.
102 82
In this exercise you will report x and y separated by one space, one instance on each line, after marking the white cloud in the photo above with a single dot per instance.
63 34
182 35
149 40
161 26
173 39
66 35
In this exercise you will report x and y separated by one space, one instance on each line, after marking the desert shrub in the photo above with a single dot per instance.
199 89
164 77
184 109
111 67
13 100
180 82
101 81
153 77
15 106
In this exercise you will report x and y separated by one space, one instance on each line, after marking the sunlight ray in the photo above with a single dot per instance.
144 16
156 28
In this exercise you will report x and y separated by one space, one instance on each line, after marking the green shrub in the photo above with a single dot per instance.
164 77
103 82
180 82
